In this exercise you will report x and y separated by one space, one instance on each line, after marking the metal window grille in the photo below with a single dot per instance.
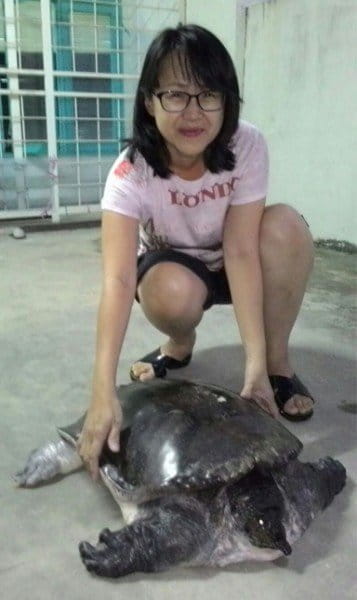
68 74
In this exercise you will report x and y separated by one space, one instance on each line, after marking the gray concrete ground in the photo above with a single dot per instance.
49 292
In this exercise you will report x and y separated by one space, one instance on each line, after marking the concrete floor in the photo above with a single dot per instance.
49 292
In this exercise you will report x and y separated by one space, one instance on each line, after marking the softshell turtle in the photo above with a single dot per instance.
203 477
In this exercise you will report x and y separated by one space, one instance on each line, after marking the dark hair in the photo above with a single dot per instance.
204 57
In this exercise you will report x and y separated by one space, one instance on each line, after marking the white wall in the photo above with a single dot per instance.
300 89
219 17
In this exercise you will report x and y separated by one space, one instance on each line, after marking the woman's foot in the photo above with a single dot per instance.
156 367
291 395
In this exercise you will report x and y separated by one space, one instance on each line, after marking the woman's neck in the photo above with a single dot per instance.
189 170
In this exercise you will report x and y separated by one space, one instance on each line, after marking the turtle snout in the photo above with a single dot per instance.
109 472
285 547
113 478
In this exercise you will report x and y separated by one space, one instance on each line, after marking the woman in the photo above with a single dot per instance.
194 180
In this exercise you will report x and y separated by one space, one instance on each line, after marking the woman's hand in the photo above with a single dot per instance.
103 422
258 388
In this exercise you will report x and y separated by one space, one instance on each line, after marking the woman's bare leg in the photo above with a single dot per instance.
287 255
172 298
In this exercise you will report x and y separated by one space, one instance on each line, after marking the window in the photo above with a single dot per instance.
88 40
68 75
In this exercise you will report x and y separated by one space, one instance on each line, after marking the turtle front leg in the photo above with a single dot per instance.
54 458
170 535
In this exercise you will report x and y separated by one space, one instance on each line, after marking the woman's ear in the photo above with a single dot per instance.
149 106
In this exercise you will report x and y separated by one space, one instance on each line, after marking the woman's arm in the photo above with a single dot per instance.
242 263
119 246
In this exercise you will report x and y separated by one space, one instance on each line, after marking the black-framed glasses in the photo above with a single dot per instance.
177 101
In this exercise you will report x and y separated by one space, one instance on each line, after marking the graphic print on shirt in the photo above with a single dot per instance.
203 239
214 192
123 169
150 240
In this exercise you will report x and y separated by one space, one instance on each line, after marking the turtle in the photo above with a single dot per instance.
203 477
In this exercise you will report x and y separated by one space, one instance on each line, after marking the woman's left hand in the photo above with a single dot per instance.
258 388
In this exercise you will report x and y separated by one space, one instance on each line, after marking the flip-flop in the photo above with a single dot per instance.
285 388
160 363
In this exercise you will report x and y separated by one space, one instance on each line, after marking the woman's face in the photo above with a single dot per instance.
187 133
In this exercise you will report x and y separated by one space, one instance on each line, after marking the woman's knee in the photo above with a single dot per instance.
283 229
173 291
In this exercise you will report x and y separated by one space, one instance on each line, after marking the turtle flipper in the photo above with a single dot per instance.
172 534
54 458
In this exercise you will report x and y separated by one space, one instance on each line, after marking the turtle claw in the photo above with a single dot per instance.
86 550
108 538
41 465
18 478
92 566
88 556
33 473
100 559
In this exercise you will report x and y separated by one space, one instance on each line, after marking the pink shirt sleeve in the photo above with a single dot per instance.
252 166
122 190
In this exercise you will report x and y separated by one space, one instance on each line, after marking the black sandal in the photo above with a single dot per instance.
160 363
286 387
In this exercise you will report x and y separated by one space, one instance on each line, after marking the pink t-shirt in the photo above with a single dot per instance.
188 215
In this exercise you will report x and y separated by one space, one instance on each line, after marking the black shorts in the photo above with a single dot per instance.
215 281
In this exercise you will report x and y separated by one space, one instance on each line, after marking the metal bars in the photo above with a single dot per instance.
68 74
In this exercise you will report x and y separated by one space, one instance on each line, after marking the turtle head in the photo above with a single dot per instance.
265 530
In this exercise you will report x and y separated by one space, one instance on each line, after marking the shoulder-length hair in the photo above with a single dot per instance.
203 57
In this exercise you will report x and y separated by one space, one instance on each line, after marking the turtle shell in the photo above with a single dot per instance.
181 434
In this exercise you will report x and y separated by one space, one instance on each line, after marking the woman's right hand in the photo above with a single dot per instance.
102 423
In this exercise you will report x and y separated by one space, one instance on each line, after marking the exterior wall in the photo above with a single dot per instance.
220 18
299 88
